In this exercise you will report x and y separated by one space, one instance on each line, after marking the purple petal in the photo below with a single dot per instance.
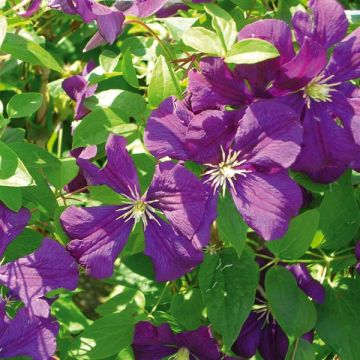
357 250
96 41
277 32
298 72
85 9
249 337
327 148
12 224
33 7
119 172
26 335
305 281
173 255
153 343
216 85
267 202
165 131
318 26
144 8
345 62
208 132
110 25
67 6
269 135
274 342
97 237
170 10
180 195
33 276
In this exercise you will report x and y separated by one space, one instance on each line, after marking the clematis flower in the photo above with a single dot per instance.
26 335
156 343
98 234
78 89
307 81
248 153
32 8
357 254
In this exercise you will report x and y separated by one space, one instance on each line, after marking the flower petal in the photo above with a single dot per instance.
119 172
318 26
173 255
26 335
180 195
269 135
33 7
344 64
145 8
110 25
97 237
306 283
274 343
327 148
267 202
12 224
48 268
165 132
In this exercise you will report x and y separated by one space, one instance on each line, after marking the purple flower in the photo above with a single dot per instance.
306 80
246 152
78 89
26 335
357 254
98 234
32 8
156 343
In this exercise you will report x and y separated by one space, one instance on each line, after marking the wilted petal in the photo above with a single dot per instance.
267 202
216 85
249 337
345 62
33 7
97 237
276 32
269 135
27 335
173 255
180 195
165 132
119 172
274 343
48 268
298 72
318 26
327 148
305 281
12 224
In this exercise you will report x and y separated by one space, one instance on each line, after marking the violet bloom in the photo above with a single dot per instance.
357 254
98 234
26 335
157 343
78 89
309 82
247 154
32 8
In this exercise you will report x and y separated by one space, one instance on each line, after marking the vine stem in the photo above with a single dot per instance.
160 298
17 7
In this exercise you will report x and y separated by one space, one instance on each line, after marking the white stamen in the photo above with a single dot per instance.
226 171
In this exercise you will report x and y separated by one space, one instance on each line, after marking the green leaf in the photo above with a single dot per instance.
128 70
178 25
11 197
3 27
300 349
104 338
228 285
339 319
298 239
232 228
308 184
187 309
292 309
28 51
224 25
62 175
339 214
245 4
24 104
284 9
131 104
106 195
95 128
163 83
203 40
108 60
251 51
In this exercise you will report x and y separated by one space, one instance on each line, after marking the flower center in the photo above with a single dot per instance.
319 90
226 171
182 354
138 210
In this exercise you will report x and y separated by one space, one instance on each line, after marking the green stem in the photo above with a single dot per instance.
17 7
160 298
